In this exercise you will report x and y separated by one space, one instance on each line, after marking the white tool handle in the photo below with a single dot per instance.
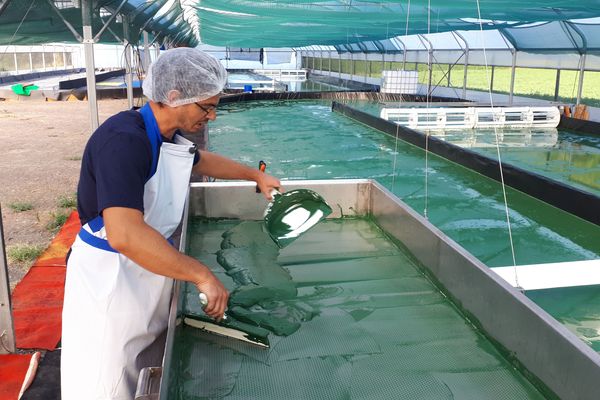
204 302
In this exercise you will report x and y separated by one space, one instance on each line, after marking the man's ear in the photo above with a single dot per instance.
173 95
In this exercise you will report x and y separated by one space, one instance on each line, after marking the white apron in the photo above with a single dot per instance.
113 308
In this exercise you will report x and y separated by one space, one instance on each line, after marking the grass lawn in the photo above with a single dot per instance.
530 82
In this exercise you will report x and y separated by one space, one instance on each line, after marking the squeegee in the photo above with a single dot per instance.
227 327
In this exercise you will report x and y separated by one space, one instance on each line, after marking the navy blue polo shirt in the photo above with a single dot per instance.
115 166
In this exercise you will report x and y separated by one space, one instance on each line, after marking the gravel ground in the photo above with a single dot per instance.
41 144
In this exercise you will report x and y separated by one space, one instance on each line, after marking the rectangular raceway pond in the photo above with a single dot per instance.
359 307
305 140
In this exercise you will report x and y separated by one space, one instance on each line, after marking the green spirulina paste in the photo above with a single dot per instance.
264 289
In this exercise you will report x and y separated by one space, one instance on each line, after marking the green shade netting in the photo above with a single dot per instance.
291 23
243 23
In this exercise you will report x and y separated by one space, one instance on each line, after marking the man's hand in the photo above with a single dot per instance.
125 227
220 167
266 183
217 297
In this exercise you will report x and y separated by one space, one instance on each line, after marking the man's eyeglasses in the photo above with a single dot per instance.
207 109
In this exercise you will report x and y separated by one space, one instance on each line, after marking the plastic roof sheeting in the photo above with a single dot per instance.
551 36
557 36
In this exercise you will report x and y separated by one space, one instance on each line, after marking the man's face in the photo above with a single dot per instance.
196 115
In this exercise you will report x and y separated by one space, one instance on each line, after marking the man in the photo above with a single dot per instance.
132 189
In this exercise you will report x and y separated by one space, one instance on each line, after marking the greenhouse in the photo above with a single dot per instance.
436 233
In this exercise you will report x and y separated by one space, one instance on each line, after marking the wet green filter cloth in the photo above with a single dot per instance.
349 315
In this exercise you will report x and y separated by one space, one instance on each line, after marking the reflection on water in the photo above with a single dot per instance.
569 157
478 138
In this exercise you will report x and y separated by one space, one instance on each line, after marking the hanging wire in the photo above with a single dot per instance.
427 132
399 103
510 238
18 27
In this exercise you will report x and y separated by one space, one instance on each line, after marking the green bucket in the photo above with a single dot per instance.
292 213
23 90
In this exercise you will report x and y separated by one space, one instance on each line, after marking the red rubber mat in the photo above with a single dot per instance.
13 369
38 298
54 255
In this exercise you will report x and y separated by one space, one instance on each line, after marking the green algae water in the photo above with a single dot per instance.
305 140
578 308
369 324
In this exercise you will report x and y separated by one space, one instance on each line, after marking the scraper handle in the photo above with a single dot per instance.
262 166
204 302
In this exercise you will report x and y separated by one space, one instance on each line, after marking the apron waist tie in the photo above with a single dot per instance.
95 225
95 241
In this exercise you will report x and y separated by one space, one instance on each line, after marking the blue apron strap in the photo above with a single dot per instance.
95 225
153 134
95 241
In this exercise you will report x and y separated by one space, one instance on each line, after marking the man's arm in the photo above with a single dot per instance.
127 233
217 166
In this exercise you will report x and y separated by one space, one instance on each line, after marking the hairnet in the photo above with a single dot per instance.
191 73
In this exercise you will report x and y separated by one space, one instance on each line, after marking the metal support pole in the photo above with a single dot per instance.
16 62
430 73
580 85
367 68
404 54
492 80
43 57
466 65
557 85
351 66
427 43
30 60
449 70
339 66
321 61
90 66
329 56
465 73
513 72
128 63
147 59
7 331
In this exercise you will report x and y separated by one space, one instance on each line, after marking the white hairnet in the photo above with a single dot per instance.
192 74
